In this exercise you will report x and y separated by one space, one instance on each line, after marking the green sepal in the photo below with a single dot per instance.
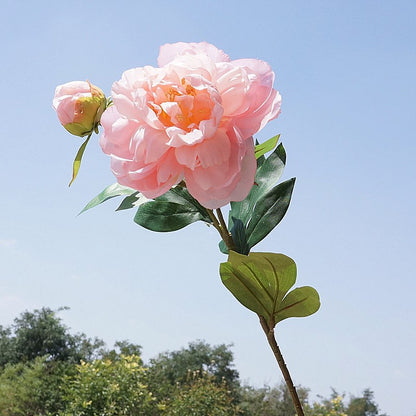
109 192
261 281
171 211
77 161
269 211
267 146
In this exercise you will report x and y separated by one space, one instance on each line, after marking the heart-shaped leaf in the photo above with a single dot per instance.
300 302
261 281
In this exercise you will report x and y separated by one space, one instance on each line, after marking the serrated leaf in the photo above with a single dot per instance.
267 146
260 280
300 302
269 211
165 216
110 192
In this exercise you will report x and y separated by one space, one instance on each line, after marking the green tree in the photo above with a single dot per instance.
123 348
41 333
32 389
363 406
172 368
109 387
202 396
269 401
334 406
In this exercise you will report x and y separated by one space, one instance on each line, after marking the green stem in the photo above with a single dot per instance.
269 331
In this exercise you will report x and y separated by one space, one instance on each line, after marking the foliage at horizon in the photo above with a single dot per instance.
188 382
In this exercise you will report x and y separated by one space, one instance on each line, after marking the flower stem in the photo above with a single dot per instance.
269 331
221 227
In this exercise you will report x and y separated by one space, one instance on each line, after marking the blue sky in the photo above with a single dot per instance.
346 74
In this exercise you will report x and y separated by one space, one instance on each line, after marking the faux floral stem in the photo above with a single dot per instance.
221 227
221 218
269 331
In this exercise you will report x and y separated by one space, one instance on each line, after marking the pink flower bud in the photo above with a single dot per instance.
79 106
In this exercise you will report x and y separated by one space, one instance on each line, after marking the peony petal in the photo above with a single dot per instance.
170 51
118 131
236 190
193 118
210 152
148 145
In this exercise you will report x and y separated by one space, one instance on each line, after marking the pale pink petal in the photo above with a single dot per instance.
117 134
211 152
235 190
259 102
267 111
65 110
170 51
66 97
152 180
148 145
232 84
213 185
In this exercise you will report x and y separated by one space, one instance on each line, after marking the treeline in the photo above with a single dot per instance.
47 371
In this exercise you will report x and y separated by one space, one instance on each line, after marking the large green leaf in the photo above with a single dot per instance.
267 175
261 281
269 211
171 211
180 195
300 302
110 192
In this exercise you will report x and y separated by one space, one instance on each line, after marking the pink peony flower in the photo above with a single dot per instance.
191 119
79 106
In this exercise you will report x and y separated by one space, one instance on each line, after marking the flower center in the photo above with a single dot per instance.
182 106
